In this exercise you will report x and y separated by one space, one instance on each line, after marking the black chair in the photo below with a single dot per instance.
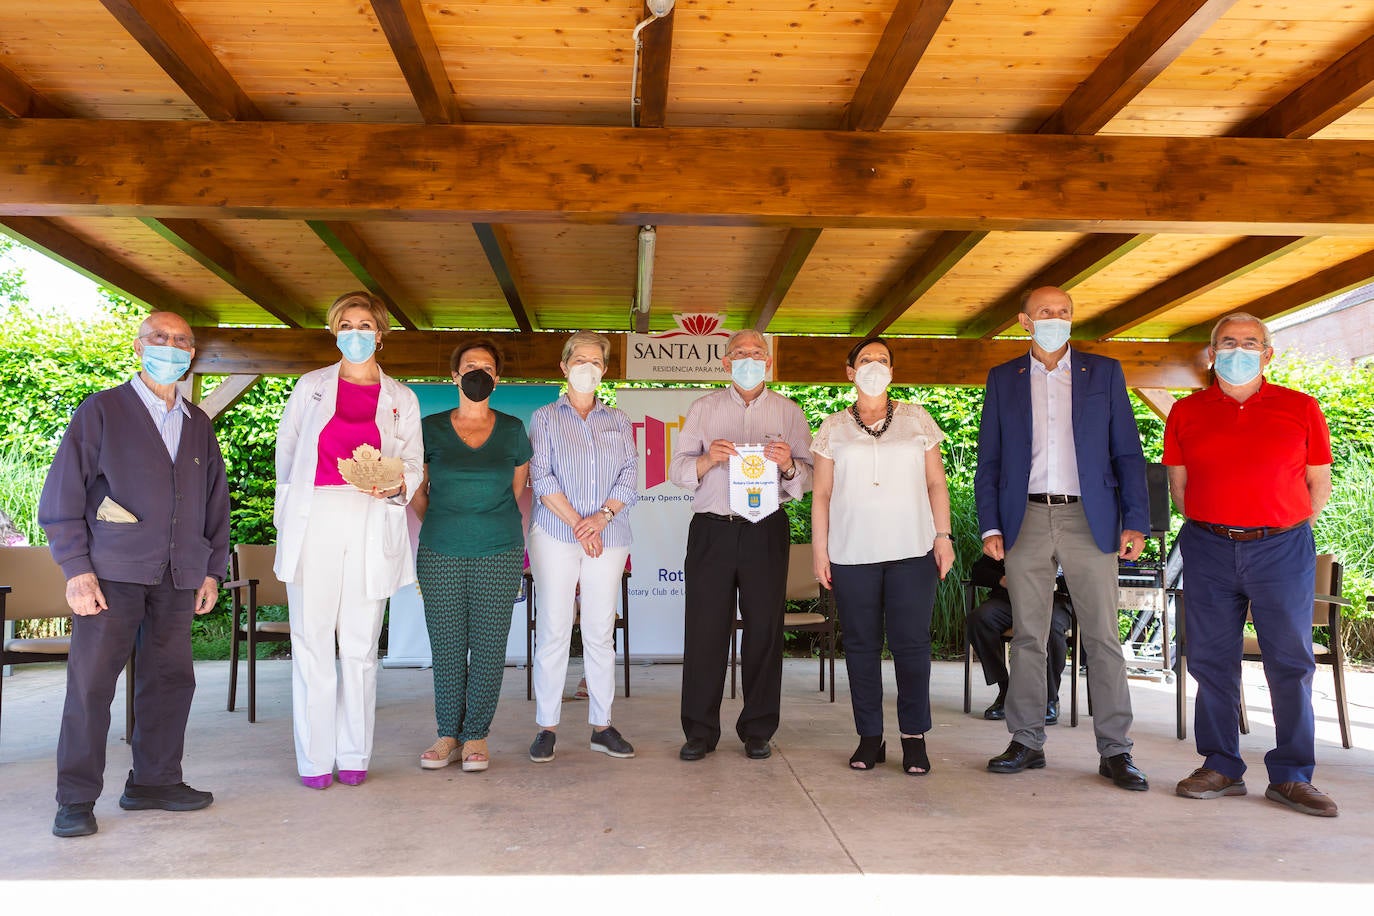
252 584
622 623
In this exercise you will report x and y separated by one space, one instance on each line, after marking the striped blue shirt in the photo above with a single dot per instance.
588 461
166 419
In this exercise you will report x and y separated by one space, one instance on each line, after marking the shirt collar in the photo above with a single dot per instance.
563 401
1213 392
1064 365
735 395
148 397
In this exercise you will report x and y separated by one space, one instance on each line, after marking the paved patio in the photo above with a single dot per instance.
802 812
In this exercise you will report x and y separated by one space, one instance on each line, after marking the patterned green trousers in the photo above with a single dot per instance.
468 606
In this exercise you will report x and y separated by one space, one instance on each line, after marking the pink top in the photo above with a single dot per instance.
353 424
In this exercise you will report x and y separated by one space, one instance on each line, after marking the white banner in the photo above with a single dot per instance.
690 352
753 483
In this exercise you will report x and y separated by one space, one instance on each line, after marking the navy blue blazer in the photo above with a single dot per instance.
1111 465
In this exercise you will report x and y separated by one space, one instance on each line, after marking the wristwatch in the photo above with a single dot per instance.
789 475
944 534
610 513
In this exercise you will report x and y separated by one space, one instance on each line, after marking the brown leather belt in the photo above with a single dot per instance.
1243 534
1051 499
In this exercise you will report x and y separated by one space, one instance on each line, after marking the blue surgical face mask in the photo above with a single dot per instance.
357 346
1052 333
165 365
1237 366
747 373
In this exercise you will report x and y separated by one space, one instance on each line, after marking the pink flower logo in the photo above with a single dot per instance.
697 324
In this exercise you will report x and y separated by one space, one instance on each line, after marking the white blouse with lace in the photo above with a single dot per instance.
879 505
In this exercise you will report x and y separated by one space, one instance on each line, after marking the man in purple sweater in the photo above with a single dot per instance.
136 509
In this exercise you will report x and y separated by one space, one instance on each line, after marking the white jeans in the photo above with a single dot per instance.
558 566
333 712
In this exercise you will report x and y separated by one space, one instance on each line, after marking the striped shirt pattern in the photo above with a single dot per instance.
167 420
589 461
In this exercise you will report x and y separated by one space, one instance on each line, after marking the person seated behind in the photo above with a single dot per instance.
990 619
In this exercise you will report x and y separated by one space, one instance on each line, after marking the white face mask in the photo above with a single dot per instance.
873 378
1052 333
584 377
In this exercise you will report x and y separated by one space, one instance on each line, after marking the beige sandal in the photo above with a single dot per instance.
440 754
475 758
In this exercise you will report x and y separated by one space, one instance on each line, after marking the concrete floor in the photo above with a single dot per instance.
802 812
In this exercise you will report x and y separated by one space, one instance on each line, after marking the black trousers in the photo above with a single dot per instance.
730 562
989 620
156 618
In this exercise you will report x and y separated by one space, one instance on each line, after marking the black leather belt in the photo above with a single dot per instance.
1243 534
724 518
1052 499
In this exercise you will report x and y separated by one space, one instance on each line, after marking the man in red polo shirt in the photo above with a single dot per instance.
1250 468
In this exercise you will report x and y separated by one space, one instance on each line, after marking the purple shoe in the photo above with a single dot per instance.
352 777
318 782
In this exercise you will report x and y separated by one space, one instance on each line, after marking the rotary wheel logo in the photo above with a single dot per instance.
753 466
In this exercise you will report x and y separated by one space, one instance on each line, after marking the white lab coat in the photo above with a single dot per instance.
389 563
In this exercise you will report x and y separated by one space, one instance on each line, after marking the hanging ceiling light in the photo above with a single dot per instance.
644 276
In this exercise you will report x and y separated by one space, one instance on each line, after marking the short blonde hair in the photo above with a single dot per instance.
586 339
359 298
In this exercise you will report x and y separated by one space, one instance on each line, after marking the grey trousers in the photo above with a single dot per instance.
1053 537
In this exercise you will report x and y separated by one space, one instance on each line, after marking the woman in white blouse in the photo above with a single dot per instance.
881 539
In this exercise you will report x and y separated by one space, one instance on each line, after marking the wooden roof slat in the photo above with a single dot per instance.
200 244
89 261
496 246
1094 253
412 43
171 41
348 246
1244 256
908 33
1161 35
655 65
19 100
788 263
925 271
1342 278
1336 91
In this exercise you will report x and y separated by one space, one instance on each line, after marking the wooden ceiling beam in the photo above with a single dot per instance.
796 247
212 253
413 45
1235 261
1092 253
908 33
1333 281
348 246
678 176
170 40
814 360
925 271
19 100
497 248
1336 91
98 266
1157 40
655 63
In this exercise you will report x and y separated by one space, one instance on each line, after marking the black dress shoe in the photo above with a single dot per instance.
176 797
995 712
1121 770
695 749
757 748
1017 757
75 820
1052 712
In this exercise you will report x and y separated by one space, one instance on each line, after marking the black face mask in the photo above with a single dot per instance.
476 385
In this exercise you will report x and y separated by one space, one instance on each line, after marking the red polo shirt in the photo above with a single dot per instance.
1247 463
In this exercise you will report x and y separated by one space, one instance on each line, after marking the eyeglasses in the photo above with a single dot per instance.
1253 346
748 354
162 339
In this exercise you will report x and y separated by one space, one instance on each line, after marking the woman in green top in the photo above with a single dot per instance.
471 552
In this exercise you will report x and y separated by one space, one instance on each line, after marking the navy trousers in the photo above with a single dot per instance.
898 597
1274 578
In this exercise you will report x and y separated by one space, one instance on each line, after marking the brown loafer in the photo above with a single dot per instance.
1302 796
1208 783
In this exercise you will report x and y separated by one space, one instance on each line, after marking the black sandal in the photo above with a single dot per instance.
871 752
914 759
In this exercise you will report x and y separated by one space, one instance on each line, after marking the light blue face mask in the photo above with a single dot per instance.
1238 367
1052 333
747 373
357 346
165 365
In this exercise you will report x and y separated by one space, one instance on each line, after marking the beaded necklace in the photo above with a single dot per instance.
875 433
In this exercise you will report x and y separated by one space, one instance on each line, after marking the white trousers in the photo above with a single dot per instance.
333 711
558 567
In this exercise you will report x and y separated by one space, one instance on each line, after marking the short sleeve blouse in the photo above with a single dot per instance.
879 504
472 509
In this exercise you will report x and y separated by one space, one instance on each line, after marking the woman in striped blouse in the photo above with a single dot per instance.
583 475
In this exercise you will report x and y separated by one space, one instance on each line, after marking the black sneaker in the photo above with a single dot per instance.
541 751
75 820
177 797
608 741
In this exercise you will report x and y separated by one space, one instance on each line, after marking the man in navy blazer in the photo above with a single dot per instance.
1061 483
